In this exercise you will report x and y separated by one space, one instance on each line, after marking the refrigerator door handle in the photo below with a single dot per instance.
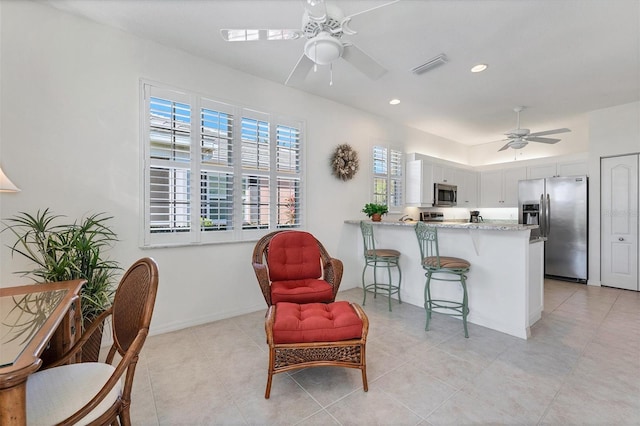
548 214
542 217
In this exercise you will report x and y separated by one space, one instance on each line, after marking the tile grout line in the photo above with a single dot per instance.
582 351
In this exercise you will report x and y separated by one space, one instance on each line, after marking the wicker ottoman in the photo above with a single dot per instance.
315 335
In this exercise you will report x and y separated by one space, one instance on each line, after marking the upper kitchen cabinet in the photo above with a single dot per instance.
467 181
444 174
573 166
419 183
499 188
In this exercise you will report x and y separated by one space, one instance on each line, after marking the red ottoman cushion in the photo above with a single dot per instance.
301 291
315 322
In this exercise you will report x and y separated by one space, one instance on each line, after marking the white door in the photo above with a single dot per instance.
619 222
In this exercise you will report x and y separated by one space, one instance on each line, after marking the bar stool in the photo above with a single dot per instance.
379 258
433 263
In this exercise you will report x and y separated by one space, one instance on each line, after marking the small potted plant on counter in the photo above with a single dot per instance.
375 211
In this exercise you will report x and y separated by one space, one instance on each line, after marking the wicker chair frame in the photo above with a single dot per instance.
332 268
130 318
292 356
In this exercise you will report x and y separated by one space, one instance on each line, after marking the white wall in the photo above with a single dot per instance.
70 139
613 131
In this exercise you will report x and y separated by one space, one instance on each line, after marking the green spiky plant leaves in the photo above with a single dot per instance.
63 252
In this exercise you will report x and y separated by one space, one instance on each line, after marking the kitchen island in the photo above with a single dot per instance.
505 281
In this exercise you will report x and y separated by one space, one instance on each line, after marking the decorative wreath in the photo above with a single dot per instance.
344 162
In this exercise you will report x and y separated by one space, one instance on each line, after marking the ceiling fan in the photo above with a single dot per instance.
323 25
519 138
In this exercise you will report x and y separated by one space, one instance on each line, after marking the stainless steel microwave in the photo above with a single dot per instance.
444 195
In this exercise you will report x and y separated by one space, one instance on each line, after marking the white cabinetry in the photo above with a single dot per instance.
561 168
467 181
499 188
419 183
422 174
572 168
444 174
540 171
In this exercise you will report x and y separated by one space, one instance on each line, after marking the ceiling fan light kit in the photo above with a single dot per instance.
518 144
323 49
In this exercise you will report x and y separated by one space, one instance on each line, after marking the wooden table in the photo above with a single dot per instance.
29 315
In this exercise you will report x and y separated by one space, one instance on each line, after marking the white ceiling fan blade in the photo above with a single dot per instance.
505 147
345 22
246 34
300 71
543 140
550 132
363 62
316 10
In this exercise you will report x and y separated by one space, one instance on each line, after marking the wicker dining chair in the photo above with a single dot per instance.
293 266
99 393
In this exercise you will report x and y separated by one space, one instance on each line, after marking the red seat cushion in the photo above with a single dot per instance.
315 322
293 255
301 291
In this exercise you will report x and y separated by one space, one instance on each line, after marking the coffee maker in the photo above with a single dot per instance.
475 216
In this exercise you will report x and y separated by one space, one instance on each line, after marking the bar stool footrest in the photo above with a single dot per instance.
449 305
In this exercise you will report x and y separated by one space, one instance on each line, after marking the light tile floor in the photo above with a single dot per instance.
581 366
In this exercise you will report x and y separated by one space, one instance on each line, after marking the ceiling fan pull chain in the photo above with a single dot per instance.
331 74
315 64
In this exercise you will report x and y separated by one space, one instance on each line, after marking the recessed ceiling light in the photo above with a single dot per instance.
479 68
394 101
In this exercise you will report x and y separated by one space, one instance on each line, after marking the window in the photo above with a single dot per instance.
387 177
215 172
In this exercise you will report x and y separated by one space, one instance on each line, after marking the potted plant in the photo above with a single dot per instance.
63 252
375 211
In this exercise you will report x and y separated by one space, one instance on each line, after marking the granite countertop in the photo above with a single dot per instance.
489 225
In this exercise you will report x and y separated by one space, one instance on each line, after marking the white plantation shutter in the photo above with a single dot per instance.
255 142
215 172
387 175
169 206
288 202
216 201
256 197
396 193
217 132
289 205
216 184
380 172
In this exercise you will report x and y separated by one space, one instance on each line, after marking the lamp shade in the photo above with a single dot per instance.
5 183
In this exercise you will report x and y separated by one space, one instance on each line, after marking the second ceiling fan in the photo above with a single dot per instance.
519 138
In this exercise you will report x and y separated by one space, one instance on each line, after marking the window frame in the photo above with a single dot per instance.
195 234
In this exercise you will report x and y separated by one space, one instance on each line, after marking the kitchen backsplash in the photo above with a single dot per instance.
454 213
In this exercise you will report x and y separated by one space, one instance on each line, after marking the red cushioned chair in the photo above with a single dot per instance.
292 266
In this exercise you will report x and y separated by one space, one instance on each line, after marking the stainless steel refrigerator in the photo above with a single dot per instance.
559 206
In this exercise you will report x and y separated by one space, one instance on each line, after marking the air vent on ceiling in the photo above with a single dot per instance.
431 63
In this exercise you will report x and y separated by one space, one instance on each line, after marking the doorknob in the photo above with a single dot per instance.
620 239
